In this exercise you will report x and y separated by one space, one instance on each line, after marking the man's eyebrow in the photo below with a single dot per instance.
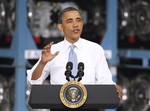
72 19
69 19
78 18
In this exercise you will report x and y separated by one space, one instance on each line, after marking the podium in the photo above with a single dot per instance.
98 97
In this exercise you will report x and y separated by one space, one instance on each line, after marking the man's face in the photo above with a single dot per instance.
72 25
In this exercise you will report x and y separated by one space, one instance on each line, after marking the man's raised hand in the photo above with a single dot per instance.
46 53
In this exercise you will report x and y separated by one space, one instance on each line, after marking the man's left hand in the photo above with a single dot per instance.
119 91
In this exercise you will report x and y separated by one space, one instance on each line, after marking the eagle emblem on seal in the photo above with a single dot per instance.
73 94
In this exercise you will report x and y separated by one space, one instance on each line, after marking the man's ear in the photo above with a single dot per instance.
59 26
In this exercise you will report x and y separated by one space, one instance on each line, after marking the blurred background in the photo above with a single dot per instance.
121 27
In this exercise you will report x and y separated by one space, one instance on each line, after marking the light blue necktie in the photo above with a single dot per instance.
73 58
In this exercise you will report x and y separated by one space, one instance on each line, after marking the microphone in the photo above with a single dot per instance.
68 70
80 73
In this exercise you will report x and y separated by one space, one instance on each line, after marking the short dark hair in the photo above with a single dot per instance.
61 13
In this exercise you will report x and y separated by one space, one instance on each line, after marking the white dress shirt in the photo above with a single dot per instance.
96 70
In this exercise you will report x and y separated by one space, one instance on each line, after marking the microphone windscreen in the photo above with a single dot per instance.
69 64
81 65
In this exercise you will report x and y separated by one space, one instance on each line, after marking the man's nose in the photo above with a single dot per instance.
75 24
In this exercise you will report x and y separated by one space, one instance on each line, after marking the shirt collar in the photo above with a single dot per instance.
67 44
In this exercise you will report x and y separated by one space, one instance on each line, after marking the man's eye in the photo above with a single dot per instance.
79 20
69 21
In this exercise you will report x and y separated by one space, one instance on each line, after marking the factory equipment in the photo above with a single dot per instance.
134 20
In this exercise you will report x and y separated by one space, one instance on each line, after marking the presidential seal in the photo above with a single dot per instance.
73 94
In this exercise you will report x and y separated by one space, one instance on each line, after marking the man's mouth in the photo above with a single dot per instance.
76 30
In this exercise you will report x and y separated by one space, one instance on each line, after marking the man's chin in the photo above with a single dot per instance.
76 38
